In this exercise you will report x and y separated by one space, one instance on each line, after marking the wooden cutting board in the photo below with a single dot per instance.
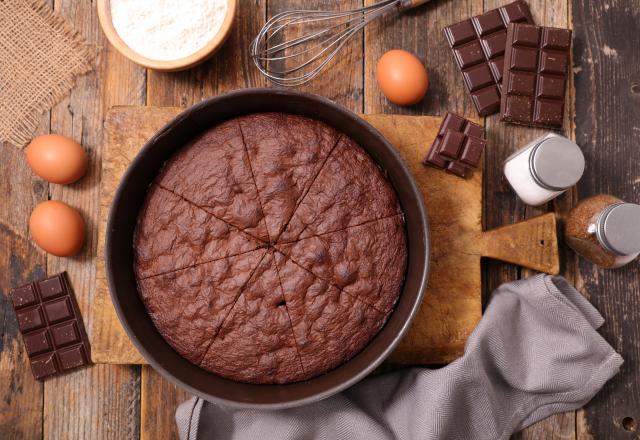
452 305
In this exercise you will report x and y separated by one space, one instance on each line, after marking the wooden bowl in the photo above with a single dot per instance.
104 15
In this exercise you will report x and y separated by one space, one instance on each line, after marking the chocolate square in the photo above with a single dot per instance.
472 152
518 109
495 44
51 288
453 122
73 357
37 342
478 77
548 112
23 296
536 68
30 319
58 310
65 334
522 83
51 326
553 62
44 366
451 145
524 58
469 55
550 87
478 45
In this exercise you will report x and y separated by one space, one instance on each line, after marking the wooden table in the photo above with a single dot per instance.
123 402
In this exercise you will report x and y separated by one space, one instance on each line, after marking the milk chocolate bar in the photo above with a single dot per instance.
535 75
458 146
51 326
478 45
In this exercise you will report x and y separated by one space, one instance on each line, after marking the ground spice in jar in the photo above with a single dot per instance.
586 231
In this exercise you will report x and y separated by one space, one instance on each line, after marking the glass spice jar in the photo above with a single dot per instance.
604 230
544 168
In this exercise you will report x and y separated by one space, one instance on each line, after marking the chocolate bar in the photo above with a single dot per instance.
51 326
458 145
478 45
535 72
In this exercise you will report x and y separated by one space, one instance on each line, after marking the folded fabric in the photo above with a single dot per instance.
535 352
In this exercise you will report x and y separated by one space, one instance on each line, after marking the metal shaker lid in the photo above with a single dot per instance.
619 228
556 163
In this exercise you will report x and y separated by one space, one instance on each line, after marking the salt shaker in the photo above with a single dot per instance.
604 230
544 169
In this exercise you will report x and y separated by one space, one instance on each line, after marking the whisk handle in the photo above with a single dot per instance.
410 4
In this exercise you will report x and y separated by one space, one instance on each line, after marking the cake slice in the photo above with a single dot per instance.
256 342
367 261
202 296
214 173
340 197
174 234
329 325
286 153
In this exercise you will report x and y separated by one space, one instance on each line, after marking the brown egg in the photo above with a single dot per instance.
57 159
57 228
402 77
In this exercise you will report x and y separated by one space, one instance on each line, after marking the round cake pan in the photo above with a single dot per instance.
131 194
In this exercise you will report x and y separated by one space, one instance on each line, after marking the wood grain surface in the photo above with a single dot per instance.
608 120
121 402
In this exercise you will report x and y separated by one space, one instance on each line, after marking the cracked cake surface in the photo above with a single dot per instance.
270 249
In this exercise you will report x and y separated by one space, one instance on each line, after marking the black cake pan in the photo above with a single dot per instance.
129 198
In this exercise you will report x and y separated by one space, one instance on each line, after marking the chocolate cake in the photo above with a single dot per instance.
271 249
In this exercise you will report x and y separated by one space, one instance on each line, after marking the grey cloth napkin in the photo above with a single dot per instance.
535 352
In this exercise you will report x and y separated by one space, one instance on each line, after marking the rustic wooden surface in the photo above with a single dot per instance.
455 208
123 402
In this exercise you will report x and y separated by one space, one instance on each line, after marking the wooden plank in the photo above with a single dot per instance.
608 126
20 394
102 401
556 13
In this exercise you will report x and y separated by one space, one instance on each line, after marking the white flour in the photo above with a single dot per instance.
167 30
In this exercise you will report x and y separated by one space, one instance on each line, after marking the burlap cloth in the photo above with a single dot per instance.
40 57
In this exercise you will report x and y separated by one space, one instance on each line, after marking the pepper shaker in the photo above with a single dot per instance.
605 230
544 169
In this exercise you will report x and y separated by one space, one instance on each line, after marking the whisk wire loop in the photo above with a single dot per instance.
298 60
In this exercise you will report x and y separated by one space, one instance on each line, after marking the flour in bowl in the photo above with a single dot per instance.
166 30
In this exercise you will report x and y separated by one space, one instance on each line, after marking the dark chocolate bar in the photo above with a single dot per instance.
458 145
535 75
478 46
51 326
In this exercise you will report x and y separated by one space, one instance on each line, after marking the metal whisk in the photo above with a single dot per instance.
316 38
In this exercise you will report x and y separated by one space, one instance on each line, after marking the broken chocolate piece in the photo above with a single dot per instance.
535 72
51 326
458 145
478 45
